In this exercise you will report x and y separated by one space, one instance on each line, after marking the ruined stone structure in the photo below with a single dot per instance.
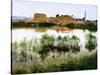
58 19
61 19
40 17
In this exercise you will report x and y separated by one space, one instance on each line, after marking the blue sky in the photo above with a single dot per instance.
28 8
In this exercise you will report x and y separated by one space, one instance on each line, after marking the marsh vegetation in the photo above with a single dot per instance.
51 47
89 25
52 54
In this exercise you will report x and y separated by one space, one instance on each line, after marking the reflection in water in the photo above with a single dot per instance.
20 34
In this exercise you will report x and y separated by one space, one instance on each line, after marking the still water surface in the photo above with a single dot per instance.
20 34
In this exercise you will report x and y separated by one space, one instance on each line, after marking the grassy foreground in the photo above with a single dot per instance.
67 62
50 54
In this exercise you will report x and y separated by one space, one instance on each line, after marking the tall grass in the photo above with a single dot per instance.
63 63
52 54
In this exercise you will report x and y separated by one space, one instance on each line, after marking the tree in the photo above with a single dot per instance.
57 15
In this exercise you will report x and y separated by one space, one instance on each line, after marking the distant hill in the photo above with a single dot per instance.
18 17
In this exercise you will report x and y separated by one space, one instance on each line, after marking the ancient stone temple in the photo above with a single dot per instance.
61 19
40 17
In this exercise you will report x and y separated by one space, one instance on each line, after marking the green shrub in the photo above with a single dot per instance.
21 68
68 62
86 62
14 52
37 68
51 55
91 42
74 44
46 44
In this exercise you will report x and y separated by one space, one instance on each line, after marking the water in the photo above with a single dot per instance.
20 34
